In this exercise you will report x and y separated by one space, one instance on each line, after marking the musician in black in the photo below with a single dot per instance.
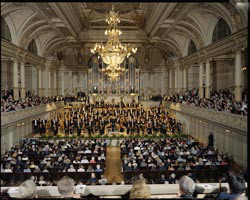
79 127
71 126
102 129
66 126
90 130
43 126
35 125
54 126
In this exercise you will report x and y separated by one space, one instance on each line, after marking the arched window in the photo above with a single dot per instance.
5 31
32 47
221 30
191 47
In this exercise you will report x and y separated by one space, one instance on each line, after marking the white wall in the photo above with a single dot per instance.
223 75
153 82
77 82
232 143
6 75
31 79
193 77
11 135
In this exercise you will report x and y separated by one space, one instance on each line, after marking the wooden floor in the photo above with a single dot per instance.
113 165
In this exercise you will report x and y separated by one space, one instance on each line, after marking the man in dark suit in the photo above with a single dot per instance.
79 127
35 125
211 140
43 126
102 129
66 127
89 130
54 126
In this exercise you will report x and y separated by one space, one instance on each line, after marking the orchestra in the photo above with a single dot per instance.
100 118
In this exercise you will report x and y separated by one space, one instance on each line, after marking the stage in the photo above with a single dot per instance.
111 98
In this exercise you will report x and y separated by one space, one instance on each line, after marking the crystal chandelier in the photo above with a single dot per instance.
113 53
113 71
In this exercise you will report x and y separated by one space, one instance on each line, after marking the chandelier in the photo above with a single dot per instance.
113 71
113 53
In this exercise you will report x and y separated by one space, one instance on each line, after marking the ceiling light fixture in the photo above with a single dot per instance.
113 53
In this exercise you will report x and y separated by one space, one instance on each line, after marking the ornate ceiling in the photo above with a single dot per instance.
168 27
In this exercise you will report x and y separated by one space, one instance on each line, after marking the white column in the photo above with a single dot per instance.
179 76
170 82
15 80
184 79
85 81
176 81
164 82
81 81
70 78
208 78
63 83
44 81
22 80
74 83
49 82
238 86
40 93
55 83
201 93
45 73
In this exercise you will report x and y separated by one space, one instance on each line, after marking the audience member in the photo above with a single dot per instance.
186 187
66 187
28 189
140 190
237 187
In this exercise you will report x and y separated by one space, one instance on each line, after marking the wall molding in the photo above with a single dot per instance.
231 121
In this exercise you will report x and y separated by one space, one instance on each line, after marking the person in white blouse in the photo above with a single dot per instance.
81 169
71 169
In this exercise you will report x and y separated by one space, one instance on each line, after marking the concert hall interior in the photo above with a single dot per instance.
124 100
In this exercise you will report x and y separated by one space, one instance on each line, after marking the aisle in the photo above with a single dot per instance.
113 165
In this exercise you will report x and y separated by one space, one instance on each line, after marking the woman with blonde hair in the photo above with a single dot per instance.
140 189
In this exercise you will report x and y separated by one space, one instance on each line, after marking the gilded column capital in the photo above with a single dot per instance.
131 60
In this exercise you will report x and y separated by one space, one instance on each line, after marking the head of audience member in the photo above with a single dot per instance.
140 190
186 187
28 189
66 187
236 184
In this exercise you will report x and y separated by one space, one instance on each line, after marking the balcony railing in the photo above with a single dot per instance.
14 116
233 121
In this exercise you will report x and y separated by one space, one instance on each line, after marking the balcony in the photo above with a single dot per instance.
236 122
14 116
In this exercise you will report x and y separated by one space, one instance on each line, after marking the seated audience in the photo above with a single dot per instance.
221 100
9 104
54 156
170 154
